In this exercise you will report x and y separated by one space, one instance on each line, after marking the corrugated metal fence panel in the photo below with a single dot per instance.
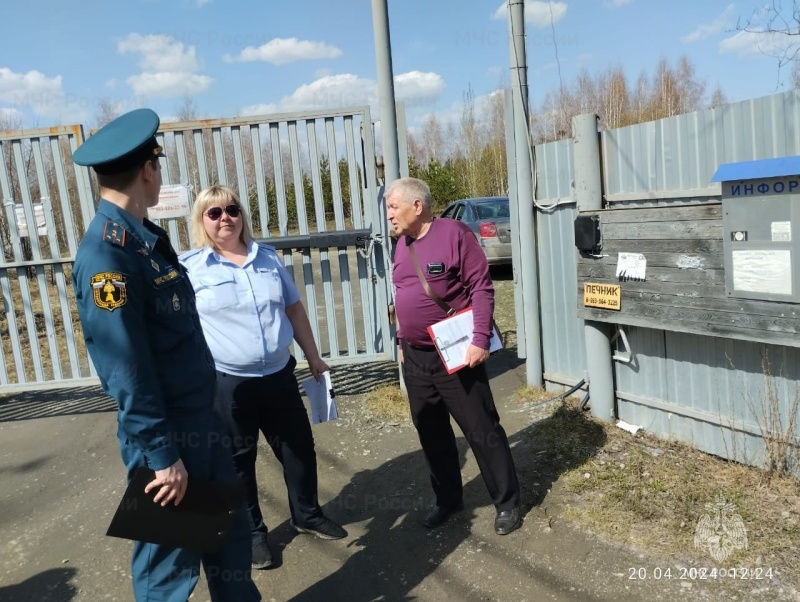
710 392
676 157
561 331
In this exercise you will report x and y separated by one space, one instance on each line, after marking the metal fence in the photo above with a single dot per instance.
307 178
716 394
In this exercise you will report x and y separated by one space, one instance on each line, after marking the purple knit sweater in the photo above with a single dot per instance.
464 281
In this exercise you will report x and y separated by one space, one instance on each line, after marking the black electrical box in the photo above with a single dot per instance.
587 233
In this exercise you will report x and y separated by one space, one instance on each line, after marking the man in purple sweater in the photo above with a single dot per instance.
455 267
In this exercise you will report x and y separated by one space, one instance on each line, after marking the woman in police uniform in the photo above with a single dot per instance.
250 310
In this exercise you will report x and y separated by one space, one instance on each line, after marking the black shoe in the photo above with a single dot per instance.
327 529
439 514
507 521
262 557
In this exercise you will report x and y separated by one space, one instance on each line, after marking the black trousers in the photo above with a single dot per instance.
434 396
272 405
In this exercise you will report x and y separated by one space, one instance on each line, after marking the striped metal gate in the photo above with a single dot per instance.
310 181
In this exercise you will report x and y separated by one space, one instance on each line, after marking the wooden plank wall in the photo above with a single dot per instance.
684 290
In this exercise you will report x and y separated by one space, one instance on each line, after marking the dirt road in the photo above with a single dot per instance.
62 478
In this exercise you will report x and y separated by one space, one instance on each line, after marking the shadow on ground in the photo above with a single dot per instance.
54 585
29 405
396 553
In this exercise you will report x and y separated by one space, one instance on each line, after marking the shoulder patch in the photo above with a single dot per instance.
109 290
114 233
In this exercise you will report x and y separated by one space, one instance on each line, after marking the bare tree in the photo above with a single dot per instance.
433 140
718 98
107 110
779 28
187 110
613 98
471 142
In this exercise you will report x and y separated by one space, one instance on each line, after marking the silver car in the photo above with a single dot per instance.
488 218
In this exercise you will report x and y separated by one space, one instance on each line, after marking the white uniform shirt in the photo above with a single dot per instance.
243 309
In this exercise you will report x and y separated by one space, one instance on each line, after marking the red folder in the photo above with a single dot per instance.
453 335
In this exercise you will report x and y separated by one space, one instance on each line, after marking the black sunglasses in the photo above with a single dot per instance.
216 212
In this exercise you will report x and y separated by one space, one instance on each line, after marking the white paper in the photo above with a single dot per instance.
781 231
453 336
763 271
631 266
22 220
631 428
173 201
320 398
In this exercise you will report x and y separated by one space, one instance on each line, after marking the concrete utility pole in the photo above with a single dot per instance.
529 268
388 115
589 196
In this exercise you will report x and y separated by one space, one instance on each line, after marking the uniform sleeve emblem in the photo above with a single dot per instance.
109 290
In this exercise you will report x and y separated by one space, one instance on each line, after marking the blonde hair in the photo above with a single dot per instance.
216 195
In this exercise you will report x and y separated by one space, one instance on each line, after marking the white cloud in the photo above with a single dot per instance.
539 14
418 86
11 118
169 68
747 43
346 89
31 88
42 95
717 25
281 51
617 3
168 84
159 53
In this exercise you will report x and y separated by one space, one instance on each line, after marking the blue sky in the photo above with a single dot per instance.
60 59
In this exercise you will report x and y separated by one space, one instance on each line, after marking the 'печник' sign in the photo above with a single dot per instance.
603 296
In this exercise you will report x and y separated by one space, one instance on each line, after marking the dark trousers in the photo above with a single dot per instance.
434 396
163 573
272 405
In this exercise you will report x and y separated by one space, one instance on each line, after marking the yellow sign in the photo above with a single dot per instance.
604 296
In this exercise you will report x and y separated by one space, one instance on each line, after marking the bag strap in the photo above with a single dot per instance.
428 290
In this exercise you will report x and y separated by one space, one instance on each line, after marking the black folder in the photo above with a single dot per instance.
200 522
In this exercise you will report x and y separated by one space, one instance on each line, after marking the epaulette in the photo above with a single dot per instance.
114 233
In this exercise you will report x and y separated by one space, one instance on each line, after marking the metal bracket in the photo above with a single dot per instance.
322 240
627 356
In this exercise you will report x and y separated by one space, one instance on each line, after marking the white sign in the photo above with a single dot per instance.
173 201
631 266
763 271
38 216
782 231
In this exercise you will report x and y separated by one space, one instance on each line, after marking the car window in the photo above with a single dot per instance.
459 211
449 211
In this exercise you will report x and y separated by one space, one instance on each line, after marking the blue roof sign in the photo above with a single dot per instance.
762 168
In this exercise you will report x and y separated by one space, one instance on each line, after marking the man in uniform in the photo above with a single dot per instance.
145 340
